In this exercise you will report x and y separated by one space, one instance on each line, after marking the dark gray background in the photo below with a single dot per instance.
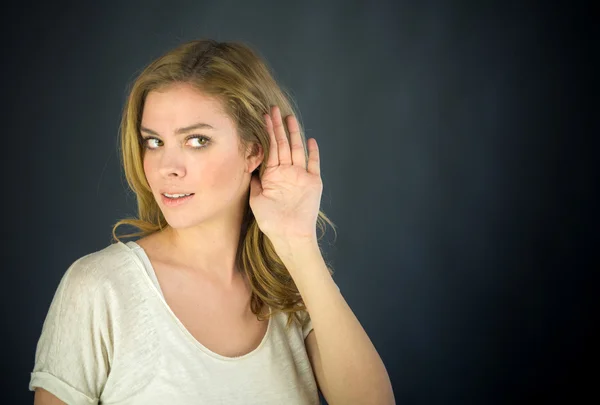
455 158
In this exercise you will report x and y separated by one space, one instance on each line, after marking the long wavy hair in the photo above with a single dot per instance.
236 75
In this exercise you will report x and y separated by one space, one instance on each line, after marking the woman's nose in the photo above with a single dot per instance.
172 165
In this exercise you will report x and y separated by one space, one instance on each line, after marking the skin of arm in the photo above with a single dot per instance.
43 397
346 365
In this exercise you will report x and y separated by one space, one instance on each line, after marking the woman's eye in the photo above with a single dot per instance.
200 141
147 141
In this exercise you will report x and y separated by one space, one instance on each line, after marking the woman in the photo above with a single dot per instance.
211 304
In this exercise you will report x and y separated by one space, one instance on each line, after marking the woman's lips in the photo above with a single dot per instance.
175 202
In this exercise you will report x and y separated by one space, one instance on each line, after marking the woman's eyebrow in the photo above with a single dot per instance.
178 131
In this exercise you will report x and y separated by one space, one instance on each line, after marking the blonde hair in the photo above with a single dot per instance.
234 74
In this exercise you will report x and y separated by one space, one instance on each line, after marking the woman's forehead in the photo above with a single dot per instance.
177 109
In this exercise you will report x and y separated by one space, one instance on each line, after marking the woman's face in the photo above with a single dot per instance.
192 147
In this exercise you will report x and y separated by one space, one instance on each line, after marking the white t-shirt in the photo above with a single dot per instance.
110 338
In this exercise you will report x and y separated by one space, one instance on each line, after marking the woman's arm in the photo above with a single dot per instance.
347 366
43 397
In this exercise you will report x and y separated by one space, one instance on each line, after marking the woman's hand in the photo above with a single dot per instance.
286 200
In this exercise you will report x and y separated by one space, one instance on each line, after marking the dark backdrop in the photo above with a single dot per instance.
455 156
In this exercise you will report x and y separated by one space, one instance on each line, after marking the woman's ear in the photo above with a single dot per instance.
255 157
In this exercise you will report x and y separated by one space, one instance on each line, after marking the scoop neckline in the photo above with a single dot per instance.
187 334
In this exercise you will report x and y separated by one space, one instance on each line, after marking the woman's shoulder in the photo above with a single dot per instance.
115 254
93 326
113 265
